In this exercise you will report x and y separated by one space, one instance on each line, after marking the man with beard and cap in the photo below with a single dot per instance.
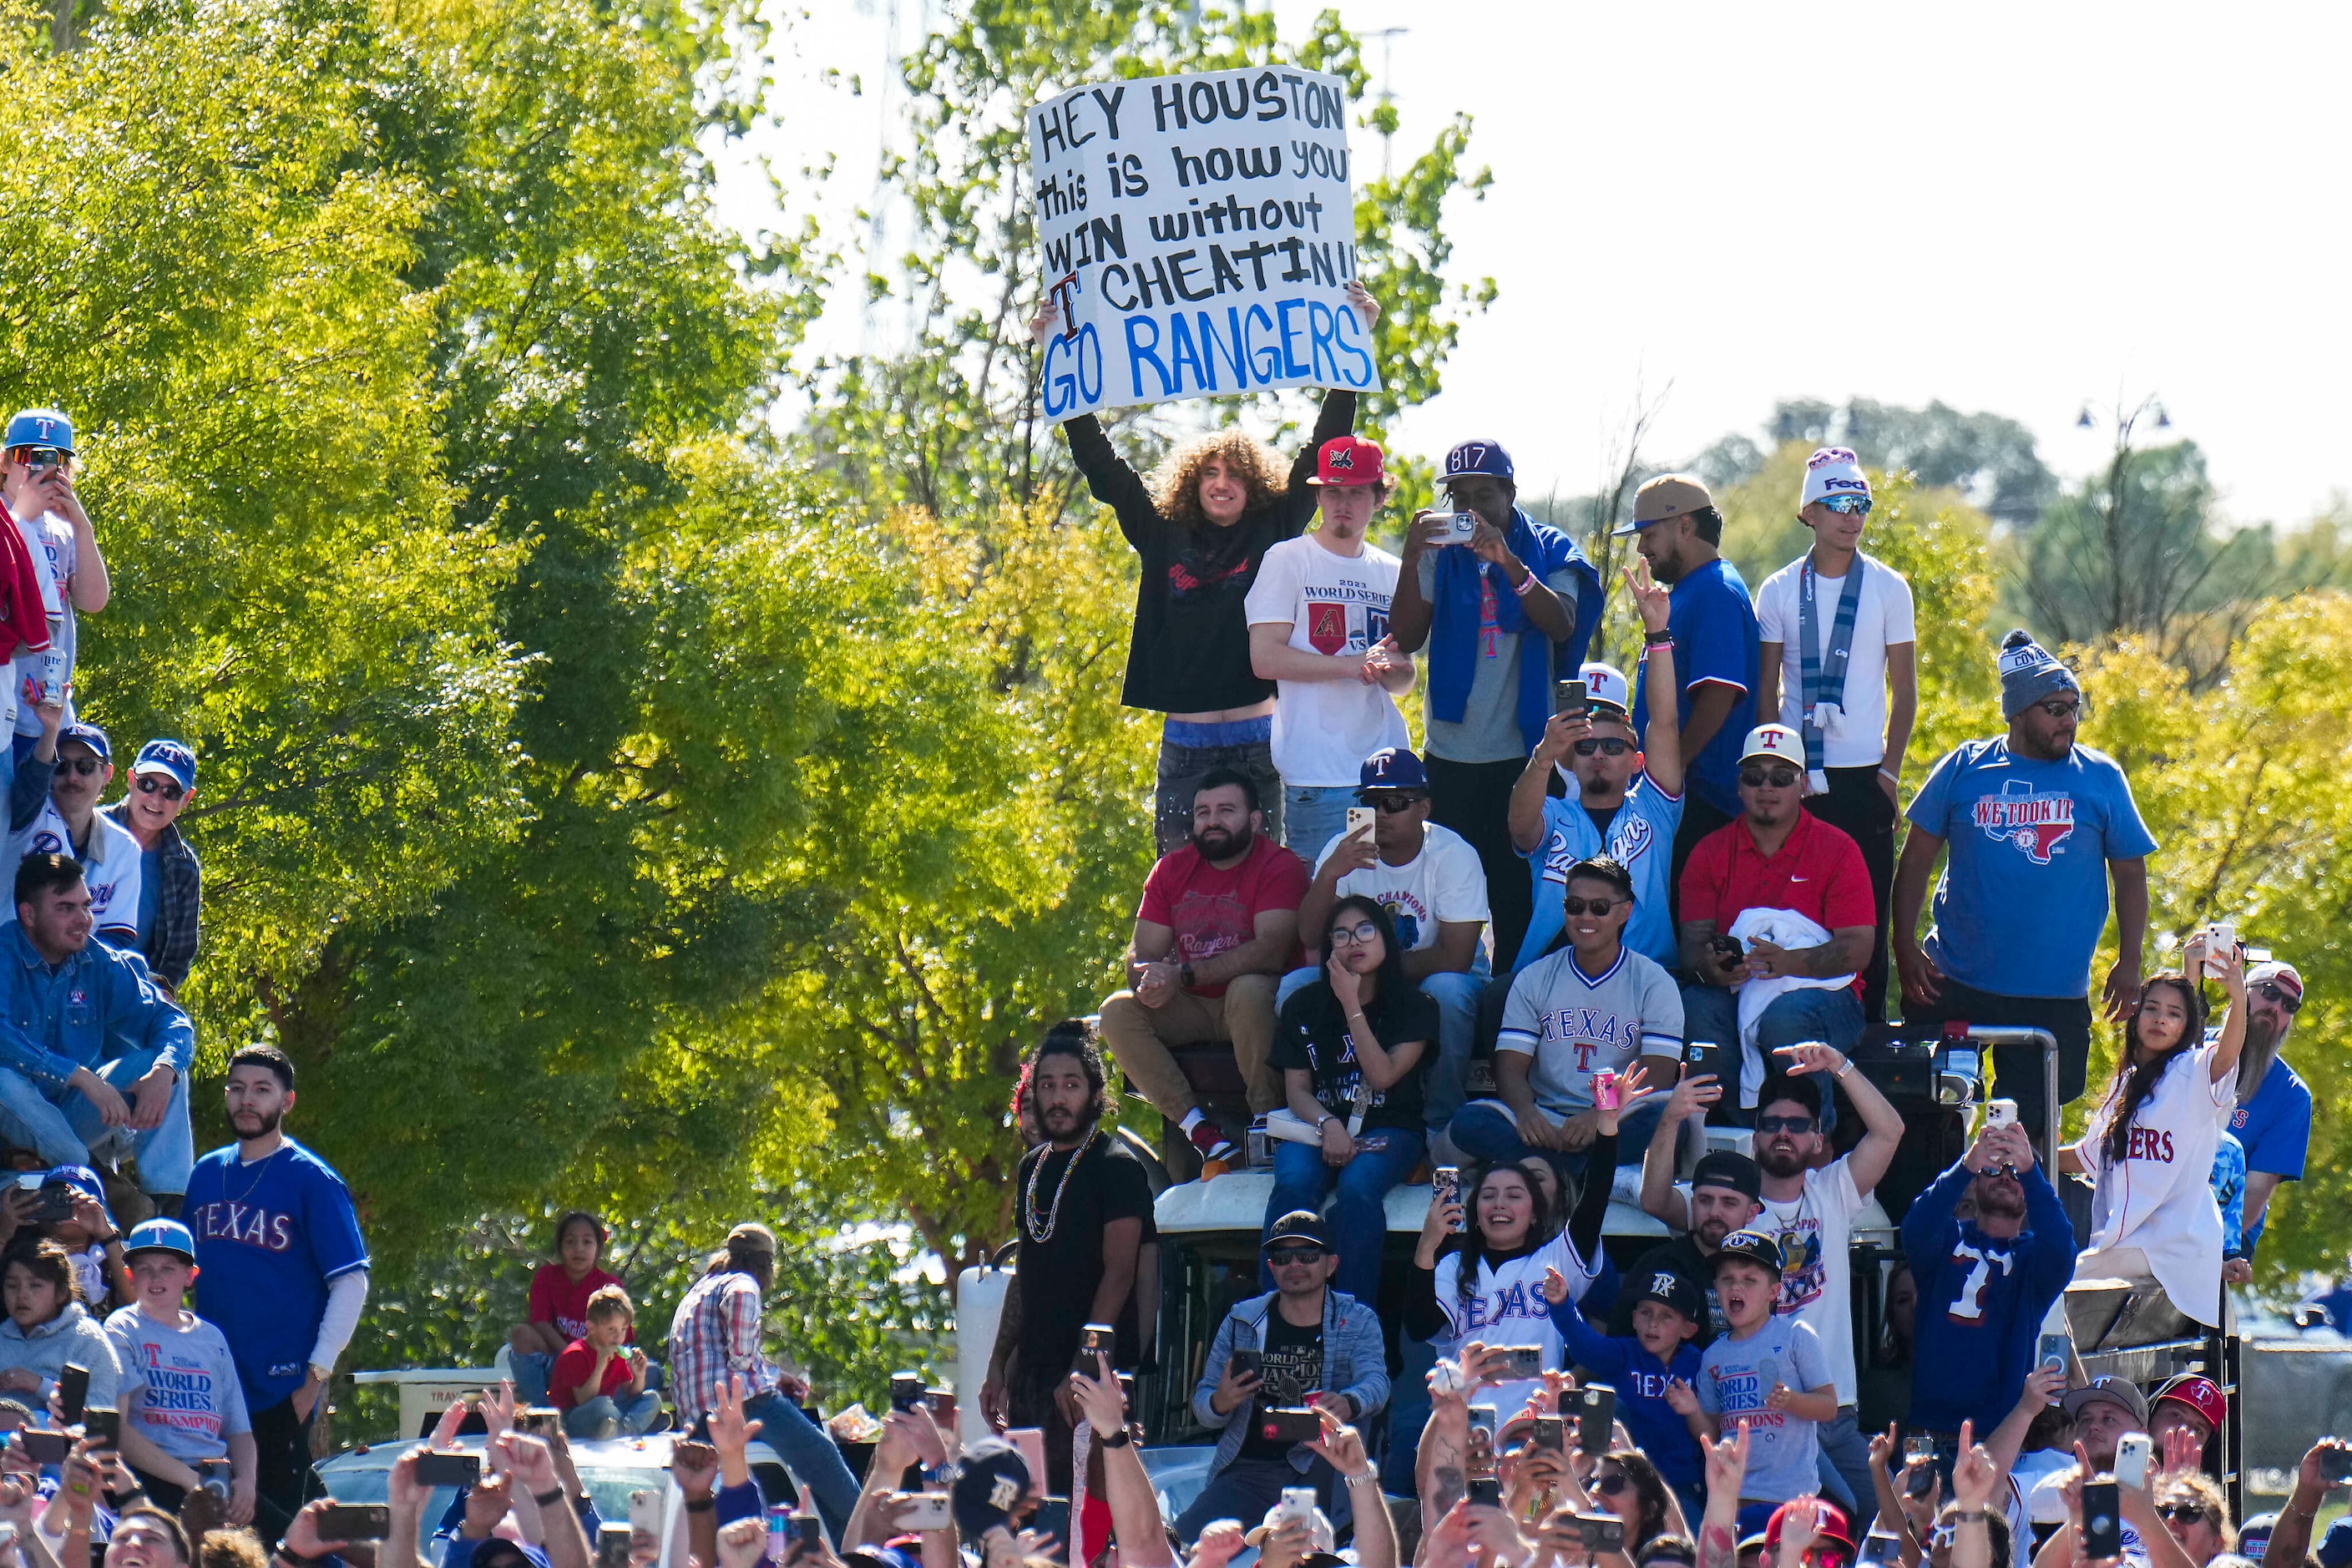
1218 924
282 1271
1726 1194
1083 1206
1986 1280
2273 1122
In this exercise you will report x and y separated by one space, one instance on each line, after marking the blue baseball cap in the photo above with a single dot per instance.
170 757
2334 1548
90 735
81 1178
159 1235
1391 767
1474 458
40 427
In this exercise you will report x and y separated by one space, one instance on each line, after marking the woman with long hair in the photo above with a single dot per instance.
1353 1048
1629 1486
1202 523
2149 1147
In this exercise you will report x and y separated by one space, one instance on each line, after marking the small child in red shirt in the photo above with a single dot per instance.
559 1303
599 1381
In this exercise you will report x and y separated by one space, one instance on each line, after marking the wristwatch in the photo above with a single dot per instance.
1118 1439
1184 975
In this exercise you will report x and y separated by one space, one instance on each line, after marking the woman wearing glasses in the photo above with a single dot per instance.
1353 1048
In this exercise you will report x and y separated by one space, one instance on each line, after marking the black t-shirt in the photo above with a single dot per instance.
1060 1273
1293 1370
1190 650
1313 1036
1681 1255
1601 817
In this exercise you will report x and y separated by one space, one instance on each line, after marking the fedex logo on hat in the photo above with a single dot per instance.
1833 482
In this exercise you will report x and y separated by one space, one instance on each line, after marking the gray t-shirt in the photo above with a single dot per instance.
1734 1377
191 1402
1489 730
1575 1025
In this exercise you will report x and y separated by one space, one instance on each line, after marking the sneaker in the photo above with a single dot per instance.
660 1423
1218 1154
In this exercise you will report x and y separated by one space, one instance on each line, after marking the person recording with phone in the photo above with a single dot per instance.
183 1399
37 464
1985 1283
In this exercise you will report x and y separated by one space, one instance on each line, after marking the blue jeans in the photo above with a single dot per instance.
66 1129
609 1417
531 1370
1360 1215
1456 995
1313 816
1809 1013
1487 1132
810 1454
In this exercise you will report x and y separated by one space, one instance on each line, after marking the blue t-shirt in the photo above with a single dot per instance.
2229 1194
270 1237
1640 1380
2276 1129
151 888
2024 892
1714 623
1640 836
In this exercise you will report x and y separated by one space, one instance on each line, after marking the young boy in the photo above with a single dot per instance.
187 1408
1768 1373
599 1381
1641 1367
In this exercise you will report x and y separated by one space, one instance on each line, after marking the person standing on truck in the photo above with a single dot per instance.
1200 526
1084 1205
2274 1116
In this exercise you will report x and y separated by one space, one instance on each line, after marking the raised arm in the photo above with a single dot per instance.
1662 745
1660 1199
1881 1122
1533 786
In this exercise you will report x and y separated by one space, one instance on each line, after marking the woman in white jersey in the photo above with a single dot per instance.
2150 1145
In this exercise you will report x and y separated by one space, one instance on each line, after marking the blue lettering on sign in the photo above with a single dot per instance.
1074 370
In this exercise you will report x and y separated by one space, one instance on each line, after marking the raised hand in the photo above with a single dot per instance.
1650 600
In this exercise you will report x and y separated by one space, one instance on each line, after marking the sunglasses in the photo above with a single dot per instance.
2055 709
150 785
1609 1486
1784 1124
1282 1255
1767 778
1348 936
1577 906
2287 1000
2183 1512
1847 506
36 457
1393 801
1607 745
85 766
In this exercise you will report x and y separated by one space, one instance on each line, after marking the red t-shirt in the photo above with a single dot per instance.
1212 911
572 1367
554 1298
1819 873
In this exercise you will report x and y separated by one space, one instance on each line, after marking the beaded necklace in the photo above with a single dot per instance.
1029 1212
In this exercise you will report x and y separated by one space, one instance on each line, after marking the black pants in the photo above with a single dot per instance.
282 1478
1856 804
1699 819
1474 799
2016 1069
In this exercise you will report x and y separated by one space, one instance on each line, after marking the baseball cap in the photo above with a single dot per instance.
881 1557
990 1481
1298 1224
1671 1290
40 427
90 735
1832 472
82 1179
2281 975
159 1235
1776 742
498 1552
2199 1394
1730 1168
1348 460
1391 767
1472 458
1668 495
1605 685
2120 1390
2334 1547
2254 1536
1750 1246
1834 1525
169 757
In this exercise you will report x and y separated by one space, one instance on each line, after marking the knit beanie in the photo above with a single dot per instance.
2028 673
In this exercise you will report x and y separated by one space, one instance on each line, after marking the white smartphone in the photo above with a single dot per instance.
2220 940
2133 1451
1460 527
921 1511
1358 816
2000 1113
645 1514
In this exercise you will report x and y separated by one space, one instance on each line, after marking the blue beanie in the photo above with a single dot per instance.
2028 673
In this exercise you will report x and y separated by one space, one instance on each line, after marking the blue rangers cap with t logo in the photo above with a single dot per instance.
41 428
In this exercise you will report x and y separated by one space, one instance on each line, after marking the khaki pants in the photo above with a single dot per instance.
1138 1038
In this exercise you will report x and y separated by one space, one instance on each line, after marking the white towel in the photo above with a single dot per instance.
1781 928
1828 717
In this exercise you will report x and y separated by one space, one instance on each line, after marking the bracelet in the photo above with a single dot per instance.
1890 776
1844 1070
1657 639
1969 1515
1370 1477
1527 584
1118 1439
550 1498
701 1504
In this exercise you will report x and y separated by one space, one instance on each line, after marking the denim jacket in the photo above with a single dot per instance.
95 1006
1354 1364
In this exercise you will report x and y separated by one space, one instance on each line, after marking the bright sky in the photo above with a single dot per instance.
2010 207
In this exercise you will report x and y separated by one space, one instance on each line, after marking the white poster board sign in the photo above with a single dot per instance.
1199 232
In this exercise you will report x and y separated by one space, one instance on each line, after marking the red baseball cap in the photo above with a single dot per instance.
1835 1530
1349 460
2200 1394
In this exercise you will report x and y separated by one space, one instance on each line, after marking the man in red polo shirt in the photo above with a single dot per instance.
1793 894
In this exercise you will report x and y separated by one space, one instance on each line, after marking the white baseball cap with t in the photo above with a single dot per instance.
1775 741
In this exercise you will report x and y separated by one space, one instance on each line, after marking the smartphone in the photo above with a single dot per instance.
538 1420
1095 1338
907 1393
1249 1362
1295 1424
1878 1551
449 1470
1460 526
612 1546
1358 816
1445 1187
645 1511
45 1448
1053 1522
921 1511
1596 1415
1918 1447
2335 1465
56 1205
1570 697
2102 1520
1605 1095
1523 1360
103 1428
1601 1531
1551 1432
2050 1354
1485 1491
2133 1451
1703 1056
1726 949
808 1533
2000 1113
1031 1442
354 1521
2221 939
73 1392
943 1404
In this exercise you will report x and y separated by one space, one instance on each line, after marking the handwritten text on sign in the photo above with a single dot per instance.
1199 233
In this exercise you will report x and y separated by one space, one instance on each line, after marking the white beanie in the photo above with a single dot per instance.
1832 472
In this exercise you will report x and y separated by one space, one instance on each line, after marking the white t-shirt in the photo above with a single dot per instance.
2160 1198
1883 616
111 870
1508 1308
1443 882
1817 1283
50 539
1323 729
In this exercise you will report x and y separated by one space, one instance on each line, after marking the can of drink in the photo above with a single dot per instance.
52 662
1255 1149
1604 1090
1445 1187
780 1531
